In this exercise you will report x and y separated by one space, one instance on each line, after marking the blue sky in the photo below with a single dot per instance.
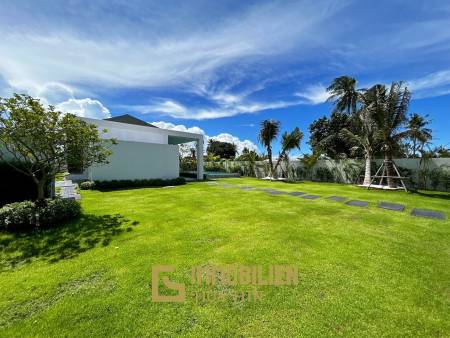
221 67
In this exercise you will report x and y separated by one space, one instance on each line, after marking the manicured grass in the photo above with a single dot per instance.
363 271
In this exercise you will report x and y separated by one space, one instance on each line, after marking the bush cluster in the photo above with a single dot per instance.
25 215
87 185
122 184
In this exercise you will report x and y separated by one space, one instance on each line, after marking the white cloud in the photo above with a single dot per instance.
223 137
240 144
434 84
85 108
178 127
314 94
54 93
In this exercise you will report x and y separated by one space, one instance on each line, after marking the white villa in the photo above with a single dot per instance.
143 151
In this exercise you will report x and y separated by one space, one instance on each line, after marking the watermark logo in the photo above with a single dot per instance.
179 287
225 277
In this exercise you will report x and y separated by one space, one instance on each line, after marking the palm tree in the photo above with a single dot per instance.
289 141
388 109
344 94
267 134
418 133
365 137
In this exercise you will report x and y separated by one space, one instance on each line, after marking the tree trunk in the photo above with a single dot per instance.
390 170
368 171
41 188
269 154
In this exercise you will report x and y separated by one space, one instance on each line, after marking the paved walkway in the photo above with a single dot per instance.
355 203
67 190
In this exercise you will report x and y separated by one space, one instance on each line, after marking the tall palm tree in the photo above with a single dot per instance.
365 137
289 141
418 133
344 94
388 108
267 134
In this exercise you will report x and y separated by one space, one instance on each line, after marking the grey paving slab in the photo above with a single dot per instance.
357 203
336 198
391 206
275 192
310 197
297 193
247 188
427 213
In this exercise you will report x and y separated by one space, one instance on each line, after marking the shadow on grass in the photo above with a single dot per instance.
440 195
65 242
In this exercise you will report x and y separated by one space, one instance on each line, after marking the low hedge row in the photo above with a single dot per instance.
25 215
122 184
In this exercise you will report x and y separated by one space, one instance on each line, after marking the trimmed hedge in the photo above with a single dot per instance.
87 185
23 215
122 184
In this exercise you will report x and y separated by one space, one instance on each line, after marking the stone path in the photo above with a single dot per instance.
427 213
357 203
297 193
311 197
336 198
391 206
67 190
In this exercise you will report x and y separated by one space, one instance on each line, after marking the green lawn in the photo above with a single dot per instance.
363 271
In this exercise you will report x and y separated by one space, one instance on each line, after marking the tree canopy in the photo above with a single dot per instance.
221 149
39 141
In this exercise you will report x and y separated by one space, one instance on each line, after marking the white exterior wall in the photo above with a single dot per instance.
137 160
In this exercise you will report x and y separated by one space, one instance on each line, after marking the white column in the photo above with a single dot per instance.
200 159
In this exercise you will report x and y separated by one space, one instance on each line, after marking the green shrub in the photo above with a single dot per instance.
18 215
324 174
24 215
87 185
58 211
122 184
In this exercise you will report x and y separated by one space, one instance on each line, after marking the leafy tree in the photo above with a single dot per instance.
441 152
418 132
289 141
248 155
364 137
326 138
388 108
344 94
40 141
268 133
221 149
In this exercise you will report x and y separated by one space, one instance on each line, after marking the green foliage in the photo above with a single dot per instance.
87 185
42 140
324 174
214 166
326 138
26 215
435 178
221 149
344 94
123 184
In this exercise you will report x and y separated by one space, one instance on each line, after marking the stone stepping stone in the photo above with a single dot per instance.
246 188
336 198
357 203
427 213
275 192
296 193
311 197
391 206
